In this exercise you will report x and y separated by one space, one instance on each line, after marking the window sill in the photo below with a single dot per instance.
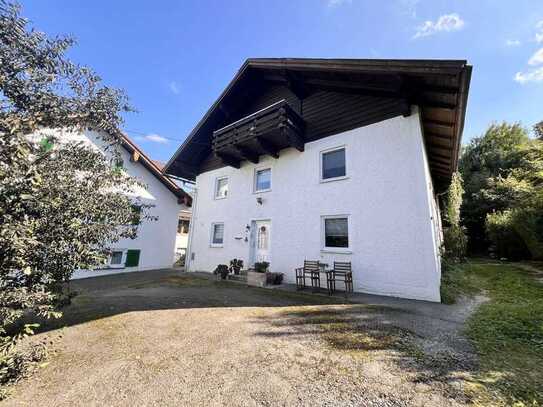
216 246
322 181
336 250
262 191
218 198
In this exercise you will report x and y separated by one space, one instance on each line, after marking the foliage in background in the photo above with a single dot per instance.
60 205
483 160
503 173
454 234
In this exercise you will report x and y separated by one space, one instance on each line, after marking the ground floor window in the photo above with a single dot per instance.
335 232
217 234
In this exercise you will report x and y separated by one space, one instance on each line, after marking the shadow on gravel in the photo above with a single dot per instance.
105 296
366 332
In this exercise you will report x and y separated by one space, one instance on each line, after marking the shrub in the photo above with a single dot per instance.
222 270
274 278
262 267
236 265
506 241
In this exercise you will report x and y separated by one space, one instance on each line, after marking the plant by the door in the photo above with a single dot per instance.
236 265
262 266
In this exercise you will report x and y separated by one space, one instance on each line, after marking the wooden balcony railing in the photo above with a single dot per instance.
266 131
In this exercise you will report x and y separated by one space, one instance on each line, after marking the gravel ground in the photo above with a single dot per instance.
166 338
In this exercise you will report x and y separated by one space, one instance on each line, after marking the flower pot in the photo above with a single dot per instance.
255 279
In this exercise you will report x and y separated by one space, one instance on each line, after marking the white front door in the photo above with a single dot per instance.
261 240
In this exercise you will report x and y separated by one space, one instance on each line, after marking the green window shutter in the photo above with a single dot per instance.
46 144
132 258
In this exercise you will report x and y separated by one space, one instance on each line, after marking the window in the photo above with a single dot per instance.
116 258
221 188
333 164
217 234
263 180
183 226
336 232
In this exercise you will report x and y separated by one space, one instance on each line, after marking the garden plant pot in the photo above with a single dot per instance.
255 279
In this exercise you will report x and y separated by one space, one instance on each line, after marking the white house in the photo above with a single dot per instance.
154 247
330 160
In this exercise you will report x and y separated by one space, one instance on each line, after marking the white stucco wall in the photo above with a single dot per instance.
387 196
156 239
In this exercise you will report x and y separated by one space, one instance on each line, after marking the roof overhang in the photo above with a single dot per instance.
439 87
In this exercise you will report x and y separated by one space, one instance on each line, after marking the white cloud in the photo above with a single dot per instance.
537 58
154 138
174 88
539 33
512 43
337 3
447 22
535 75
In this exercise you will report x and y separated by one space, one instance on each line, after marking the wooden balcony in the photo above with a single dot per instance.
264 132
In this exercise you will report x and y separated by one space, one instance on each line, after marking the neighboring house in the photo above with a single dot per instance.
183 224
331 160
154 247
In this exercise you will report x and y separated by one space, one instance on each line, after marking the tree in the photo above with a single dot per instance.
517 230
61 204
483 160
538 130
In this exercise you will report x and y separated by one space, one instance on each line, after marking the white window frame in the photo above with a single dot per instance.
216 187
330 150
211 244
123 259
344 250
259 191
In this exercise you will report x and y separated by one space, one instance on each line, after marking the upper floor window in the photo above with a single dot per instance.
263 180
333 164
221 188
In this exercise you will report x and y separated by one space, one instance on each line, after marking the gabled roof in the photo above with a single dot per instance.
439 87
138 155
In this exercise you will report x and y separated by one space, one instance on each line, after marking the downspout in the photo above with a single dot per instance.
188 256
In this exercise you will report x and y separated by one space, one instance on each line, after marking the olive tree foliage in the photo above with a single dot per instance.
454 238
61 204
538 130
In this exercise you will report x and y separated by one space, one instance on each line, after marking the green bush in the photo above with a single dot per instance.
502 232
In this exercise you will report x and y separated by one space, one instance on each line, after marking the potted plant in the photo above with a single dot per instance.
258 276
222 271
274 278
235 266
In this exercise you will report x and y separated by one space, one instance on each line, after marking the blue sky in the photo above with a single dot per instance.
173 58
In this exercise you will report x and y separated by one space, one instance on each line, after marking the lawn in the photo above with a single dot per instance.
507 331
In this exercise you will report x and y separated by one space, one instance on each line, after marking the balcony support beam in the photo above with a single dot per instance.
247 153
229 160
267 147
293 138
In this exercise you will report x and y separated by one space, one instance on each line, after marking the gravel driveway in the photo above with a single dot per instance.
168 338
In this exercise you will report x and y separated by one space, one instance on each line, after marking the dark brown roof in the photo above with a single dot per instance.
439 87
153 168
